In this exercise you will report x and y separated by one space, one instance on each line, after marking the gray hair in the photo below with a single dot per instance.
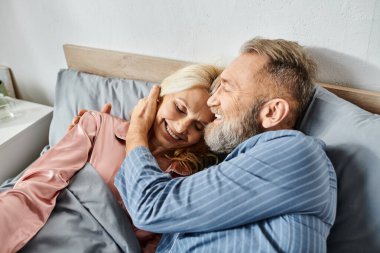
290 72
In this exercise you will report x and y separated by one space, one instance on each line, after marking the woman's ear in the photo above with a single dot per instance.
273 113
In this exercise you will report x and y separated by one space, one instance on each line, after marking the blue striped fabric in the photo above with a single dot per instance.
276 192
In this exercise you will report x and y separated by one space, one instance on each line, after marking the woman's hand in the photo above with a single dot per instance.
106 109
142 119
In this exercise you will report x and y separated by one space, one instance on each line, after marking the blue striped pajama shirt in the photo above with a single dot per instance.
276 192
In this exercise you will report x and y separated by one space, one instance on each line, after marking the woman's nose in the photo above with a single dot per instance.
182 126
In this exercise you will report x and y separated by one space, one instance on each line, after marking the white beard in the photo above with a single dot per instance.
227 135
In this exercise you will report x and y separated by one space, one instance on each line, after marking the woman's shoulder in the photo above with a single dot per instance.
98 120
104 115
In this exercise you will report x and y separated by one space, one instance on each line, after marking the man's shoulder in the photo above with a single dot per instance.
279 136
280 142
288 141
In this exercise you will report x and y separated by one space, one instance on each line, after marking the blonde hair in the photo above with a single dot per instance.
194 158
197 156
196 75
290 72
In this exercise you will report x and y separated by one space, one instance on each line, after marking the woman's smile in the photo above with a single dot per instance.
172 136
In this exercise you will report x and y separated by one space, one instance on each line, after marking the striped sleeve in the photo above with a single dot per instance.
276 175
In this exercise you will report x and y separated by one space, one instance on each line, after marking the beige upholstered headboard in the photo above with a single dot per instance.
140 67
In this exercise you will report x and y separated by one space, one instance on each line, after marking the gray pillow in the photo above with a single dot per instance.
76 90
352 136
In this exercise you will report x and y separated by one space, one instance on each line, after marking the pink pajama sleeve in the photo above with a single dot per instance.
25 208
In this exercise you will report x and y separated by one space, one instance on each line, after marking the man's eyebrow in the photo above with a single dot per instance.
223 79
229 82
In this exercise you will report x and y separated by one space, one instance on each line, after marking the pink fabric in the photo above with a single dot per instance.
98 139
25 208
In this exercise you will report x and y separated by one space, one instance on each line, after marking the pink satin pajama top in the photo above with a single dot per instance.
98 139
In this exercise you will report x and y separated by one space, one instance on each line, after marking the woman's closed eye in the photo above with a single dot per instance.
199 126
180 108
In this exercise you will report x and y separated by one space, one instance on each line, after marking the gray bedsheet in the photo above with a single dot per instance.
87 218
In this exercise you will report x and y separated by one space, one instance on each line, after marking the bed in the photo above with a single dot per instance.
345 119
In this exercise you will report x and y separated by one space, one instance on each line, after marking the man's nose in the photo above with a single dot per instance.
213 100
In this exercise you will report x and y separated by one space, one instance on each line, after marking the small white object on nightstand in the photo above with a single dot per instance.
23 137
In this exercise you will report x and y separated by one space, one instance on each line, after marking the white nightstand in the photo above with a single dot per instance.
23 137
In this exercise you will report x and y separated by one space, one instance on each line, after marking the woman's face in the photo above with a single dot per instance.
181 119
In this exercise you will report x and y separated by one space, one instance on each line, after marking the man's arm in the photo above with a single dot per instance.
26 208
282 175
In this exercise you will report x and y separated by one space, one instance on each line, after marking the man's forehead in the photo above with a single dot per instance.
244 66
253 61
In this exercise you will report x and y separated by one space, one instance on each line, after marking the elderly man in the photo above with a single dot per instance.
274 192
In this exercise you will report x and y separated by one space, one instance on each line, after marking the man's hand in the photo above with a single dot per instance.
106 109
142 119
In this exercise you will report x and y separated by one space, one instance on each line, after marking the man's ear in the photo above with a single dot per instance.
273 113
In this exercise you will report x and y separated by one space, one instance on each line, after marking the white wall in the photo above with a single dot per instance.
343 35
